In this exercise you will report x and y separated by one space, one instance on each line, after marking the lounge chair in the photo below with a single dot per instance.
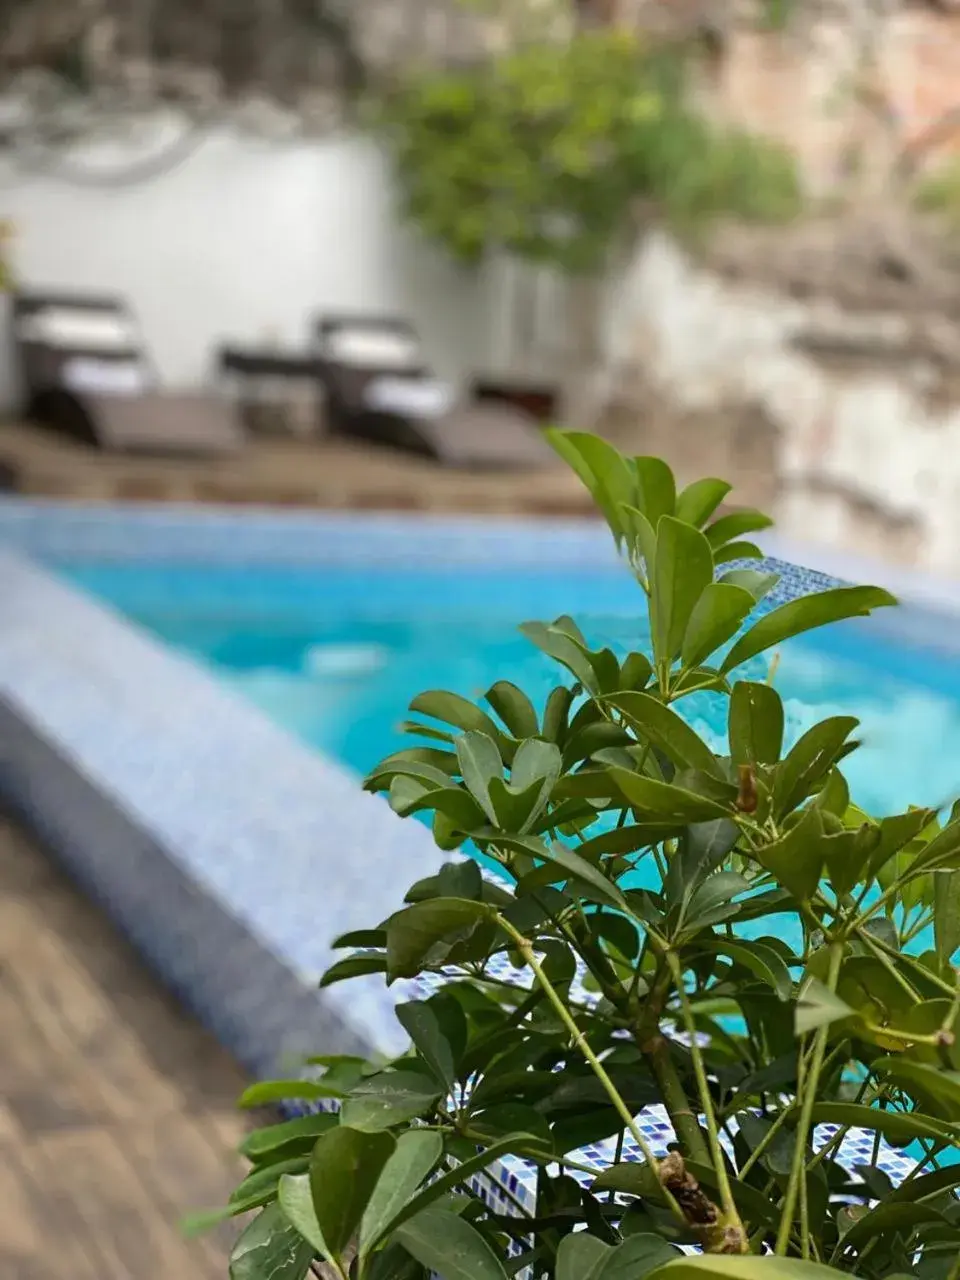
86 374
381 388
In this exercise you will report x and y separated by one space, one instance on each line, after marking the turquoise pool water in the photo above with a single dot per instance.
336 655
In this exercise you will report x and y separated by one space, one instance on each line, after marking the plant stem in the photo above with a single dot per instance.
525 947
718 1158
877 945
881 956
929 1157
921 924
829 1148
804 1217
762 1146
662 867
617 1157
576 1165
904 1037
655 1048
891 893
811 1079
336 1266
611 989
877 1137
685 1123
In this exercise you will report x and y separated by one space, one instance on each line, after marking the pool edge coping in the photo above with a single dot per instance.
28 522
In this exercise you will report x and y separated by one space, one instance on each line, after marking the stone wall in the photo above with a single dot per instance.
845 423
861 92
817 366
277 64
855 87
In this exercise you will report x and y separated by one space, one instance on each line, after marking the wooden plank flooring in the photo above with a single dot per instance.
328 472
117 1110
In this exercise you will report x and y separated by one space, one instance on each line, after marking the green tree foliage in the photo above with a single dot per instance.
545 150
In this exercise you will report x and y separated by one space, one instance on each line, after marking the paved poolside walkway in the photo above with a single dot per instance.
326 473
117 1110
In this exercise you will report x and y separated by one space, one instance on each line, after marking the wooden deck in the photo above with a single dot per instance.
323 473
117 1111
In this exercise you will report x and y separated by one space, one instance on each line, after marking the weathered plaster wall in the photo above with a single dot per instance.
859 90
848 424
818 366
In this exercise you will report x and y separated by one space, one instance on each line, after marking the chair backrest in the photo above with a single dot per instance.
373 344
80 343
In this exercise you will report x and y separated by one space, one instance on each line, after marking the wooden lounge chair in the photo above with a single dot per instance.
380 388
86 374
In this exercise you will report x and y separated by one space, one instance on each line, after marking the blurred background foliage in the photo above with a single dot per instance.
548 149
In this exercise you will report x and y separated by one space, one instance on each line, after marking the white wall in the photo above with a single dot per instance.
243 236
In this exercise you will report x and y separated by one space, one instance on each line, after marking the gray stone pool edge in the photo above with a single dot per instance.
60 532
203 828
218 842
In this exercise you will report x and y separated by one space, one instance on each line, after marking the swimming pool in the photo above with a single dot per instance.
232 845
335 656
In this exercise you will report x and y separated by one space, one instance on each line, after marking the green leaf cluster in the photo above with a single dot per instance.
783 978
544 150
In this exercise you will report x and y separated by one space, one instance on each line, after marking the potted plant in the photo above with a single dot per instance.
723 936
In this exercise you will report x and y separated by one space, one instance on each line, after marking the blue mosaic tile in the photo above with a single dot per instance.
54 531
59 533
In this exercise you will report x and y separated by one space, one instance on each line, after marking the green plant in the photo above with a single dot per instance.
544 150
776 14
727 935
939 192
